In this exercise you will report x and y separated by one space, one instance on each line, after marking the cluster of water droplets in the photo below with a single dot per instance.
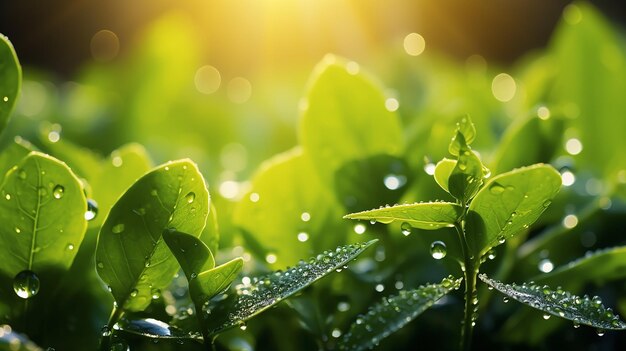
580 310
265 291
393 313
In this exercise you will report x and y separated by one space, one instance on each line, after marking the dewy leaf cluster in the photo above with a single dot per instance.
524 199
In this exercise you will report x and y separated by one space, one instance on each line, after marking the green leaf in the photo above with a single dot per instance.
467 176
42 215
196 260
345 118
285 188
12 154
443 170
211 233
465 135
580 310
154 329
424 215
236 307
588 56
393 313
508 204
131 257
594 268
10 79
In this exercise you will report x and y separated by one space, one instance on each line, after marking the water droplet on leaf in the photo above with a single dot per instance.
496 188
58 191
26 284
92 209
406 228
190 197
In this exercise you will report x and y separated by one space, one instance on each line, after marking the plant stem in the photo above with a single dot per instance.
470 272
116 314
209 341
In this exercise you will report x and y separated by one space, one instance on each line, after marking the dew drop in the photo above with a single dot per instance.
501 239
58 191
406 228
134 293
5 99
92 209
505 299
7 196
105 331
491 254
600 332
70 247
100 265
438 250
21 174
243 327
546 316
305 216
26 284
118 228
190 197
496 188
17 230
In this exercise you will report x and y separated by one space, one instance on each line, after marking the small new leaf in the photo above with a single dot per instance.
425 215
563 304
393 313
467 176
464 128
196 260
246 301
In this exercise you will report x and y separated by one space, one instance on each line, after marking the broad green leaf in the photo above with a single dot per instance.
345 118
393 313
287 198
42 215
466 130
508 204
12 154
10 79
131 257
423 215
533 140
597 268
155 329
467 176
589 63
580 310
443 170
236 307
196 260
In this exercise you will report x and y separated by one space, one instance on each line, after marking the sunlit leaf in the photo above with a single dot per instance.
393 313
345 118
587 53
467 176
442 172
11 155
287 198
42 215
10 79
196 260
580 310
246 301
508 204
131 257
424 215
